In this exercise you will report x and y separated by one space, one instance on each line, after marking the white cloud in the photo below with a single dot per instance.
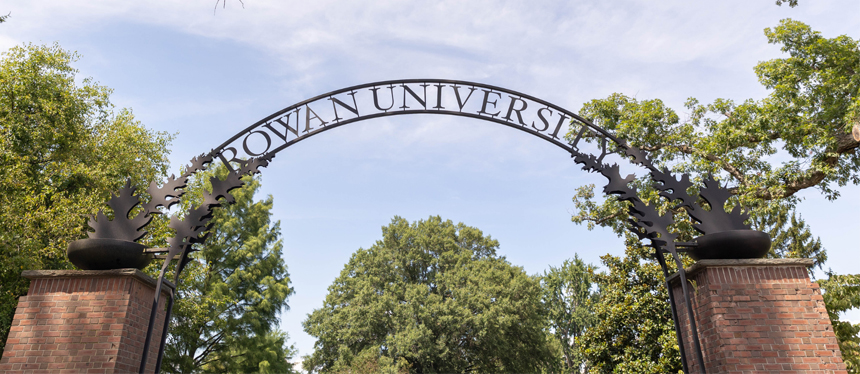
566 52
529 46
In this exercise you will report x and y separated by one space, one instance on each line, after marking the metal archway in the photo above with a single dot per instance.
255 146
451 97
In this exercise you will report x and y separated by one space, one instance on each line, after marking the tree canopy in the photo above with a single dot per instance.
570 300
796 138
807 119
230 294
430 297
634 332
842 293
63 150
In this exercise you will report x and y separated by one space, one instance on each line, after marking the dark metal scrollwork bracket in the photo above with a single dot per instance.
647 223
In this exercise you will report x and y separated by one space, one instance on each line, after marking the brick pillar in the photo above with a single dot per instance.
83 321
760 315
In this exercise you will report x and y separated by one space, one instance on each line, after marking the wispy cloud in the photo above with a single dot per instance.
275 53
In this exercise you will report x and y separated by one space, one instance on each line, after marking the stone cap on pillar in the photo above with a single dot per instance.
746 262
131 272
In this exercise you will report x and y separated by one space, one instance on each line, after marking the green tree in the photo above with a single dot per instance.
634 332
791 3
842 293
806 121
790 237
814 102
430 297
63 150
230 294
570 302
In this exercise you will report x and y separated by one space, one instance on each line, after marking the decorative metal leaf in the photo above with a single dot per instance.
121 227
221 189
713 193
717 219
646 222
638 156
198 220
193 224
253 165
167 195
634 228
589 162
617 185
654 225
199 163
672 189
189 228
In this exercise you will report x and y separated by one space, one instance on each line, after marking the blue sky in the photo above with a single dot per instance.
206 76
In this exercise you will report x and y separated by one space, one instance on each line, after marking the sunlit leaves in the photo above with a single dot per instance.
431 296
633 332
842 293
797 137
232 291
63 150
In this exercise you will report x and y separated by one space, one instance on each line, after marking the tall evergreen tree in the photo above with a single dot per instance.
790 237
570 302
225 317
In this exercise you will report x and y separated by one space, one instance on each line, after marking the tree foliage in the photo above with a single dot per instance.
806 121
63 150
790 237
796 138
570 302
634 332
842 293
430 297
791 3
230 294
807 118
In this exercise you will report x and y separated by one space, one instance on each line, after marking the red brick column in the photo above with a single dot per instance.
761 315
83 321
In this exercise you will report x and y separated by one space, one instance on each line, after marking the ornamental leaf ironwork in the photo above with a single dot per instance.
717 219
121 227
253 148
171 190
712 221
167 195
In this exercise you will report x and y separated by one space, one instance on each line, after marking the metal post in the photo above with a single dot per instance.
692 317
183 260
164 334
151 325
673 306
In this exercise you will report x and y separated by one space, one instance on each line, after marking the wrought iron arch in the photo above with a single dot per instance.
255 146
439 84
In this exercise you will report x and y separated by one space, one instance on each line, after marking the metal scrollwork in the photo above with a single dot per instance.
255 146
